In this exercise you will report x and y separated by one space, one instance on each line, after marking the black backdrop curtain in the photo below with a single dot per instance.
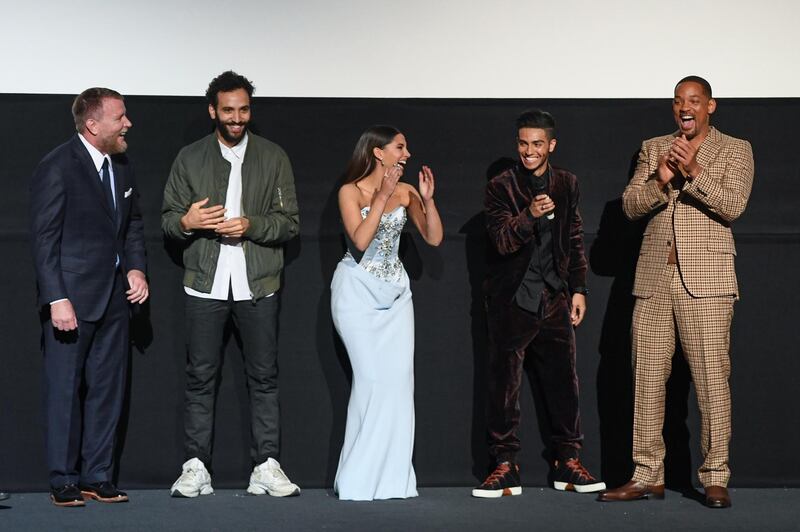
460 140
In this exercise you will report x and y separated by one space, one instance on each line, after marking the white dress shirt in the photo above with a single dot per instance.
231 267
97 159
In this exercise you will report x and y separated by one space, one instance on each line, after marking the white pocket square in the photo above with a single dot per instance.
129 192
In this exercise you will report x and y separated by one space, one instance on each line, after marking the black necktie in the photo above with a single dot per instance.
105 177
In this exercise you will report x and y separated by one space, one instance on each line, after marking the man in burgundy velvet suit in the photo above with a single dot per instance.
536 295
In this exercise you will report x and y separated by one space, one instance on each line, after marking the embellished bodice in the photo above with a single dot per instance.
382 258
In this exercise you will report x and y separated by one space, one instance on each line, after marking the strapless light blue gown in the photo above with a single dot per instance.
373 313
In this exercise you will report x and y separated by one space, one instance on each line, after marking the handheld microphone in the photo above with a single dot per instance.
538 189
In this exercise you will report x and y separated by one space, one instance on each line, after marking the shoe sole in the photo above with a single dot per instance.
69 504
643 497
718 505
258 490
205 490
580 488
90 495
496 494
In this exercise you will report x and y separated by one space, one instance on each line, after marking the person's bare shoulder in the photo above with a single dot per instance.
349 191
407 192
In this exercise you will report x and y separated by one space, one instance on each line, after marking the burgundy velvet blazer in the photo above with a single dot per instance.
511 228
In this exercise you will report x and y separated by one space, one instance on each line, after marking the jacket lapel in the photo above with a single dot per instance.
119 191
89 173
707 151
709 148
554 189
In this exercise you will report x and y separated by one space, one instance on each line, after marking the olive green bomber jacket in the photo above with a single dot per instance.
269 203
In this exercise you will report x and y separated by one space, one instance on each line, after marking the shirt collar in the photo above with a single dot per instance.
530 179
94 153
238 150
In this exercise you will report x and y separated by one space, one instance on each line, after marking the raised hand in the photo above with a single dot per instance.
667 169
200 217
684 154
390 179
426 183
541 205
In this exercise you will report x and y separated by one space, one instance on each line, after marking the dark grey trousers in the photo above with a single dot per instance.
257 324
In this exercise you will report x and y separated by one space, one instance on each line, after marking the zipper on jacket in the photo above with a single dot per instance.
244 251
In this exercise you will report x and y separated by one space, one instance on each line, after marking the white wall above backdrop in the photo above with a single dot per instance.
403 48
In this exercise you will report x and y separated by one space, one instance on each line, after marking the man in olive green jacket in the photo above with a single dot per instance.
230 200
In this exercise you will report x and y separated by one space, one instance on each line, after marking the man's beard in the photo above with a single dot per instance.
114 146
226 135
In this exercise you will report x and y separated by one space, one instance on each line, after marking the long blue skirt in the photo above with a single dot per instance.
375 320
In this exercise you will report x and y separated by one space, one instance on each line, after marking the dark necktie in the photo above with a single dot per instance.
105 177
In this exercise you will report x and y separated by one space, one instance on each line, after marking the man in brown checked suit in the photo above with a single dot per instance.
692 184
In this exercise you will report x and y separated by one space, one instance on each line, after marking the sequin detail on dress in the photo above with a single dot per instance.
381 258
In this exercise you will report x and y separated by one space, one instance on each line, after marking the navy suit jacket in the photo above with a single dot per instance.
76 236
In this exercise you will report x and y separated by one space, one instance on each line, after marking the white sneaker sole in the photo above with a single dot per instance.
256 489
579 488
205 490
496 494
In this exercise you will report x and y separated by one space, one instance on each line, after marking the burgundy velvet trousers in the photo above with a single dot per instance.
548 341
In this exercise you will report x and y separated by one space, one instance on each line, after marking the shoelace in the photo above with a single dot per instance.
498 473
577 467
66 488
193 473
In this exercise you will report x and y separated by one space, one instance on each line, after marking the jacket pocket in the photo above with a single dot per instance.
646 246
720 239
74 264
722 246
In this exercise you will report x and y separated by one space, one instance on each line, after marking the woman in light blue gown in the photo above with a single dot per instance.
373 314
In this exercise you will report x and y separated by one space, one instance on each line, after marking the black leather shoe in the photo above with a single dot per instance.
67 495
717 497
103 492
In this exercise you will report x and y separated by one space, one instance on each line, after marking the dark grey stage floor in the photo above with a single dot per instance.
436 509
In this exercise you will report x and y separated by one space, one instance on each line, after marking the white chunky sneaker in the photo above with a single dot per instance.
194 480
270 478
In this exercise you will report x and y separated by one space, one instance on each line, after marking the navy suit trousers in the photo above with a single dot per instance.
89 363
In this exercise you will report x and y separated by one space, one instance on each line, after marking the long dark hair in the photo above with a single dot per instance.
362 163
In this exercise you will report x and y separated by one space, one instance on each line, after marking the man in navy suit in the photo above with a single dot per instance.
89 253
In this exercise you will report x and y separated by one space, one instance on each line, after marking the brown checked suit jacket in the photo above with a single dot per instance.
698 217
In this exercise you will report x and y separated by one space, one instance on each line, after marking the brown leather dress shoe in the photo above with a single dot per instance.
632 491
717 497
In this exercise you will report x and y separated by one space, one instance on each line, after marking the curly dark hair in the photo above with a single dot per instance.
226 82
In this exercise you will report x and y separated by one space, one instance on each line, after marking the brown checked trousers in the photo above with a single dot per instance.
689 298
703 327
